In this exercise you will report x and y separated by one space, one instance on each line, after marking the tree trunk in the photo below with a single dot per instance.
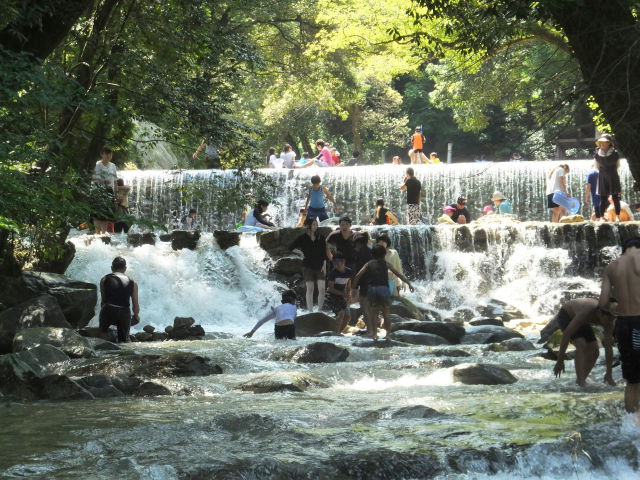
39 31
354 116
604 38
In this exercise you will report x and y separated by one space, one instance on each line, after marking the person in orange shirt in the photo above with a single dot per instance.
417 145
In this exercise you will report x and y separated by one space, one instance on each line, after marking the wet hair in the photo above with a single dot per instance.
384 238
287 147
302 210
305 155
106 150
309 220
120 182
410 172
345 219
315 180
289 296
378 252
262 203
320 143
338 257
193 210
380 203
631 243
355 154
118 263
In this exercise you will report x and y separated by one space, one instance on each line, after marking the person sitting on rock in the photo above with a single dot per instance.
188 221
115 290
259 217
339 289
501 204
377 275
284 315
626 215
382 215
447 212
574 319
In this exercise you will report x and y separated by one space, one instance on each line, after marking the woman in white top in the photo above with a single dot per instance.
105 174
288 156
273 161
556 183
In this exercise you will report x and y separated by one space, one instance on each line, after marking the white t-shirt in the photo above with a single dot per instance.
275 162
285 311
288 158
553 183
105 172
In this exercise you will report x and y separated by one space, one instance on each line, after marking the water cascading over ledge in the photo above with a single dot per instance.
158 193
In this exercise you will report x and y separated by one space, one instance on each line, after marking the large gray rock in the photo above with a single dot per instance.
282 382
413 411
405 308
418 338
451 331
512 345
184 239
480 321
77 299
482 374
289 265
227 239
41 357
41 311
18 379
317 352
489 334
176 364
65 339
310 324
139 239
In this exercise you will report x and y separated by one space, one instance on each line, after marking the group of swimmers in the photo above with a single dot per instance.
327 156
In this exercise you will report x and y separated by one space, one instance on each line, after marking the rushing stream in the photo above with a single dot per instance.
373 421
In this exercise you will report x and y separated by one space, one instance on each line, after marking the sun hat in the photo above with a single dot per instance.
487 209
498 196
448 208
605 138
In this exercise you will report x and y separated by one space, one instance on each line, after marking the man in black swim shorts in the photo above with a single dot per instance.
622 279
575 319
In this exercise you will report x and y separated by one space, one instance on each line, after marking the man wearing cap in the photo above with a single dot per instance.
413 187
501 204
115 290
446 217
461 215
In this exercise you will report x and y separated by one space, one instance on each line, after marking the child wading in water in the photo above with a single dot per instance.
340 290
378 295
284 315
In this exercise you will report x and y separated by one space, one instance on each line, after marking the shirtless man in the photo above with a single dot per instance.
574 319
623 277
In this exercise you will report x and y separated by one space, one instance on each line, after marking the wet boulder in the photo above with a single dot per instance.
449 352
40 311
464 314
480 321
41 357
227 239
151 389
512 345
184 239
288 266
65 339
482 374
384 464
18 379
183 329
452 332
405 308
317 352
489 334
176 364
491 461
100 386
76 299
148 328
409 412
282 382
384 343
418 338
94 332
430 314
139 239
311 324
496 308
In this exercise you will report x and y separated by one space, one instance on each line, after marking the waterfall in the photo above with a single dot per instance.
162 195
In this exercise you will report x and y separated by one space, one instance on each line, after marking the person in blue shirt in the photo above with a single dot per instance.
501 204
590 190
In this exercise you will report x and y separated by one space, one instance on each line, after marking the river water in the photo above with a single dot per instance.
370 422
